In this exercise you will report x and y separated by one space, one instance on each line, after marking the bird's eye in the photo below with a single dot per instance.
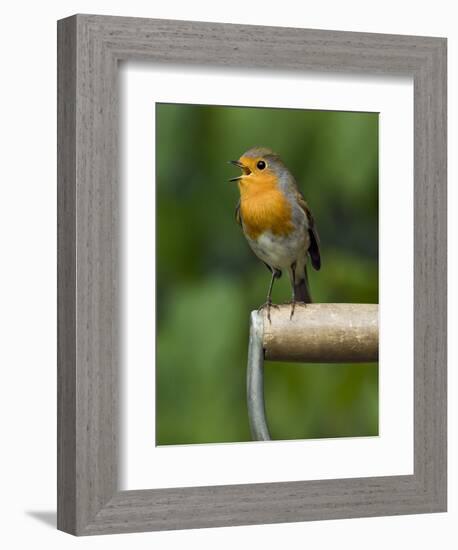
261 164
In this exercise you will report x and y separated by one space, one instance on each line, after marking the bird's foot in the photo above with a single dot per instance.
293 304
293 307
267 306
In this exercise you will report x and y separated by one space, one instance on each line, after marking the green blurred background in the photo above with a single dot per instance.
208 280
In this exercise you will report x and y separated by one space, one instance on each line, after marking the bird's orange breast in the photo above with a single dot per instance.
264 207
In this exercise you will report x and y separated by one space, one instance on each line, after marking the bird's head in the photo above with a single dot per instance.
260 168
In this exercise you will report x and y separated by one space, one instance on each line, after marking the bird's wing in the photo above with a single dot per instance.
238 215
314 248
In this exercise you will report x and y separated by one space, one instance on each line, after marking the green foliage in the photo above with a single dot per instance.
208 280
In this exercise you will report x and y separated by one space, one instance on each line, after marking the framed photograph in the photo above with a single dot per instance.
196 388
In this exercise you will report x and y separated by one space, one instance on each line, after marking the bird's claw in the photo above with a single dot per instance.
293 304
267 305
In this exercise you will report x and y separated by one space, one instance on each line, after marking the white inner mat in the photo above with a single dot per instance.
142 464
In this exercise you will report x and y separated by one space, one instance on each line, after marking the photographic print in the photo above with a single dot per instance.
167 359
257 207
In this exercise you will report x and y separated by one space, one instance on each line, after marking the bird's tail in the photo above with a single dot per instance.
302 289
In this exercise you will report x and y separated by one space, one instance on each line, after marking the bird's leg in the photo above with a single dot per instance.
268 304
293 297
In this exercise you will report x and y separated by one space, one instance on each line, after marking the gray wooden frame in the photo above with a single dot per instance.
89 48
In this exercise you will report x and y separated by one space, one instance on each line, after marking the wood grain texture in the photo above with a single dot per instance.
90 48
322 333
66 275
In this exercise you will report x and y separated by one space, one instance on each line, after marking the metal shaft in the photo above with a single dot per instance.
255 380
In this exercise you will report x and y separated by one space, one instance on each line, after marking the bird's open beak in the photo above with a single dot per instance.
239 165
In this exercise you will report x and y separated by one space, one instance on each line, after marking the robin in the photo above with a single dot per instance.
276 221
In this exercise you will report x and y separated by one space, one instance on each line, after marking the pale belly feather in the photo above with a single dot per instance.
281 251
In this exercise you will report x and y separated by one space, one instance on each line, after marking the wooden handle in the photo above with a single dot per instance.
322 333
